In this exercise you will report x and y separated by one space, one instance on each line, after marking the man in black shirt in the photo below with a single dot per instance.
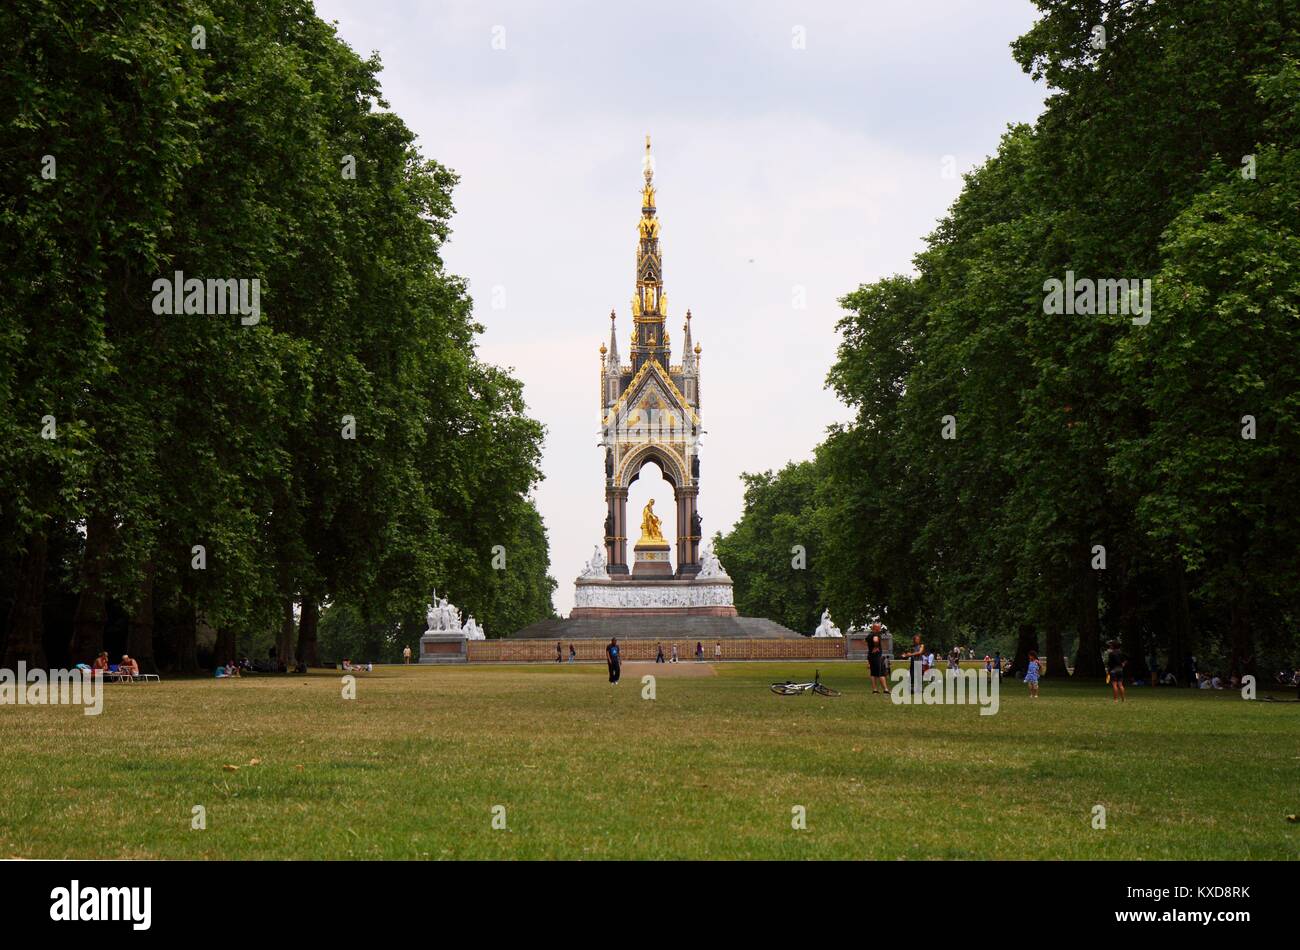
613 660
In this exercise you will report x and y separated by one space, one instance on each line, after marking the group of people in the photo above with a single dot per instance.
124 669
235 668
922 659
699 652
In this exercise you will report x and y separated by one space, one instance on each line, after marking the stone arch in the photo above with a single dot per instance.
668 463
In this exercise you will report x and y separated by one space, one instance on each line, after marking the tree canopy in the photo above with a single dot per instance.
336 442
1071 477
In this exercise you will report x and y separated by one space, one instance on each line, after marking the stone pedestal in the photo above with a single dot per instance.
442 647
630 597
653 559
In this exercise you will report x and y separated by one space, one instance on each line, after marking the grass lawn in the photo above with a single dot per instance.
710 769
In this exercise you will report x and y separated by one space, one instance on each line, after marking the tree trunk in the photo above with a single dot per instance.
25 627
1129 633
185 640
88 621
1087 661
1241 655
1026 640
1057 665
1180 622
139 637
284 643
307 624
223 651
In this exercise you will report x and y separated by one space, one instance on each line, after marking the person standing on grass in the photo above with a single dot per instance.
916 657
406 654
717 651
699 651
1115 663
1031 677
573 654
612 658
674 654
876 660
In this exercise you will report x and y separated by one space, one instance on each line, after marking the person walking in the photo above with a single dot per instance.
674 654
717 651
1115 663
916 658
699 651
559 652
573 654
659 653
612 658
1031 677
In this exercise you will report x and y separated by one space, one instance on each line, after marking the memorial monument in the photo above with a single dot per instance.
651 412
445 638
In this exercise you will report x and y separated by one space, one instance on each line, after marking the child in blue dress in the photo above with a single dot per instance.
1031 677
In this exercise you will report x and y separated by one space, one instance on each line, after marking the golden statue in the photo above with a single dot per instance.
650 524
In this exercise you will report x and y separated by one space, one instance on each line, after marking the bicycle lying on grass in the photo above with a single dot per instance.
794 689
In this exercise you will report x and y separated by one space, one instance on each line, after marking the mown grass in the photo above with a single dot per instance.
711 768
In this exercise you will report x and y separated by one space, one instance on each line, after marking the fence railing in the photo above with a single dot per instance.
543 651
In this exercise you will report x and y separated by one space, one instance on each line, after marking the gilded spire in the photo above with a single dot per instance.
649 306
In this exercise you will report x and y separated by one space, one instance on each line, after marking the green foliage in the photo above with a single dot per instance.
774 552
1076 433
176 430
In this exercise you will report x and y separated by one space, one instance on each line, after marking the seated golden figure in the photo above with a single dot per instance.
650 525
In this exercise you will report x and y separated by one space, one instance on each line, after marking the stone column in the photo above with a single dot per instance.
616 543
688 540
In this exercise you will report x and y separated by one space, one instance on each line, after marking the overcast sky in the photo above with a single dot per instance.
800 151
